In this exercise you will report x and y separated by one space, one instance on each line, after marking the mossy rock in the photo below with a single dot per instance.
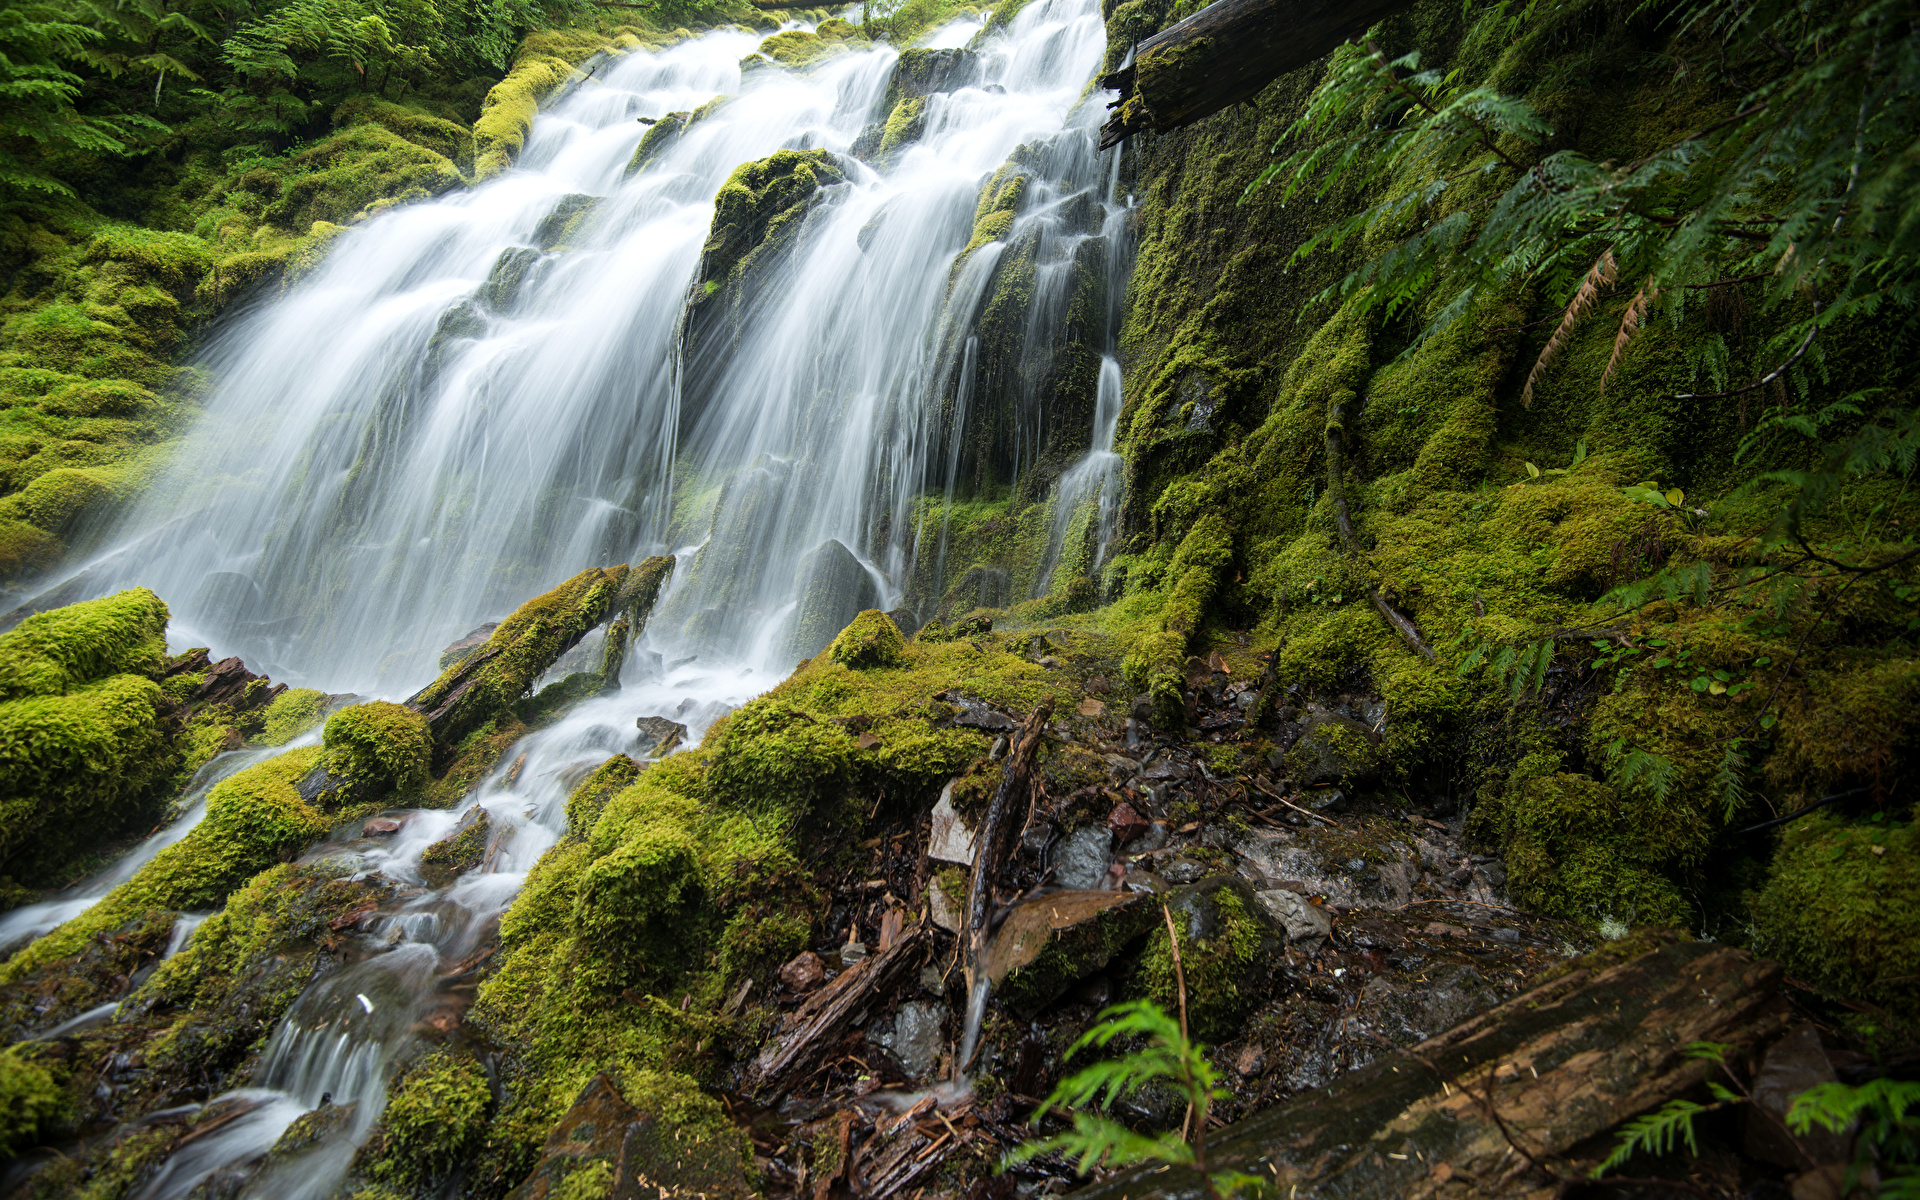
1837 908
29 1098
869 640
292 713
834 590
434 1122
1334 749
1228 949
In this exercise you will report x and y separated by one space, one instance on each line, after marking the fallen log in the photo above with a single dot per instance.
1226 53
808 1032
1472 1112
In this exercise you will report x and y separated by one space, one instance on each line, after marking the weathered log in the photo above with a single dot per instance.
818 1024
1470 1113
1226 53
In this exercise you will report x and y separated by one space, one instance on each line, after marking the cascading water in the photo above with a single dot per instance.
473 398
1086 499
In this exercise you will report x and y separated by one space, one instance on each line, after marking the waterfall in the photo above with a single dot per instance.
475 397
1086 500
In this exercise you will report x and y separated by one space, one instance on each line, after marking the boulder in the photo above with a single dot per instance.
834 589
1333 749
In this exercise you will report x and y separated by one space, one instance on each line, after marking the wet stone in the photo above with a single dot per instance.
950 840
1181 871
380 827
804 972
915 1040
1082 858
1307 925
1126 823
852 953
658 736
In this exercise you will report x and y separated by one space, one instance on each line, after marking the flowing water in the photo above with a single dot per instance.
398 450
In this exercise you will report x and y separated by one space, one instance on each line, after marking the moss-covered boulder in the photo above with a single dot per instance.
378 746
85 754
655 1130
434 1122
1838 907
869 640
292 713
1228 949
1334 749
255 819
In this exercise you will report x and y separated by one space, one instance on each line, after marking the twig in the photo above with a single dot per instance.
1295 807
1803 810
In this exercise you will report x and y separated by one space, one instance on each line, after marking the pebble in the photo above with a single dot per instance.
380 827
804 972
852 953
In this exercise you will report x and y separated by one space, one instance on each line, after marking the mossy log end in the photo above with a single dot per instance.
1226 53
1532 1078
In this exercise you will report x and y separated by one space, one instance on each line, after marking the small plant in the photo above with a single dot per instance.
1167 1054
1888 1111
1657 1132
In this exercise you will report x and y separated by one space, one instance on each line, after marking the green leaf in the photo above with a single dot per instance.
1701 684
1661 663
1533 471
1766 722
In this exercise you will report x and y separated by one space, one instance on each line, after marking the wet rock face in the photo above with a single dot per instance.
1307 925
1083 857
916 1037
634 1153
1334 749
834 590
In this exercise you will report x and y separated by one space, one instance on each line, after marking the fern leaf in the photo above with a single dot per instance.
1630 323
1602 274
1654 1133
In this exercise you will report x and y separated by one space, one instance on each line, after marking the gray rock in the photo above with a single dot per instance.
1081 859
1182 871
903 618
916 1037
1334 749
951 840
852 953
1307 926
977 714
834 589
658 736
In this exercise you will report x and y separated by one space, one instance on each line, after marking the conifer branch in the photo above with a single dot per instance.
1603 273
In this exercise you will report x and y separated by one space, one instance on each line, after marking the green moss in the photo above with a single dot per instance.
29 1098
291 714
78 769
253 819
587 801
54 652
1221 941
872 640
436 1117
379 744
1837 909
768 755
485 684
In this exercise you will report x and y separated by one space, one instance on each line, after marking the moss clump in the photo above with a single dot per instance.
29 1098
254 819
545 61
291 714
872 640
1222 944
1575 848
77 769
759 209
769 755
1838 908
587 801
378 744
436 1117
53 652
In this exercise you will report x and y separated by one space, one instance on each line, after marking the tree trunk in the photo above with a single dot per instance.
1520 1084
1226 53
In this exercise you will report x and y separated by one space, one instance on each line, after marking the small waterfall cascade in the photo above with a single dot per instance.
1085 511
472 398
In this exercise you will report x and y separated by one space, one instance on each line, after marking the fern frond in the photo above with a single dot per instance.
1602 274
1654 1133
1630 323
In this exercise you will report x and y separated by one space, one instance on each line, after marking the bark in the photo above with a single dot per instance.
1226 53
817 1025
1471 1112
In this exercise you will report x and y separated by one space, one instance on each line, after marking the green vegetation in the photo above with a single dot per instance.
1167 1057
291 714
379 744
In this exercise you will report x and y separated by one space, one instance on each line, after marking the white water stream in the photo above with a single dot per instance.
362 491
